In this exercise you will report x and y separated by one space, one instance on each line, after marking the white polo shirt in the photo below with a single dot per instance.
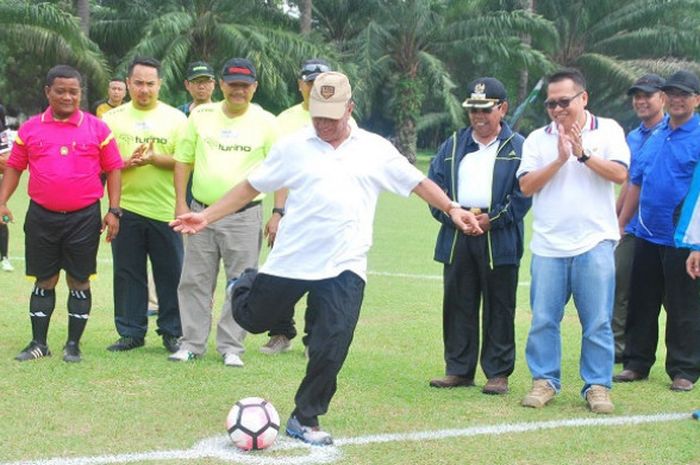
575 210
327 228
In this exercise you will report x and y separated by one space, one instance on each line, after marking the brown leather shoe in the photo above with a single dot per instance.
627 376
451 381
681 384
496 386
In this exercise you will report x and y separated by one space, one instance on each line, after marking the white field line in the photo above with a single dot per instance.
422 277
220 447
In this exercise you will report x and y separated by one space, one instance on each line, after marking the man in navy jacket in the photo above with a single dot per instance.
476 167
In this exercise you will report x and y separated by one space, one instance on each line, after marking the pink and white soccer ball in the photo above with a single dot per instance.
253 423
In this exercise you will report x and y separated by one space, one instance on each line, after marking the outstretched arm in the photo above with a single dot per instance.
235 199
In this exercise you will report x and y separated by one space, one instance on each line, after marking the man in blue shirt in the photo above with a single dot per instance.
648 103
688 231
659 183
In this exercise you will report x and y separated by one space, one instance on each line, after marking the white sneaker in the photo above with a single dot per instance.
232 360
182 355
6 265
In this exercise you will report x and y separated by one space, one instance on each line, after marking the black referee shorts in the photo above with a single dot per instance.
62 240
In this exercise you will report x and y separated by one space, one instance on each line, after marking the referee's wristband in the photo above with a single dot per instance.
278 210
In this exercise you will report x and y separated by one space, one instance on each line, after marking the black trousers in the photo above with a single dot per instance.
468 281
260 301
141 238
659 277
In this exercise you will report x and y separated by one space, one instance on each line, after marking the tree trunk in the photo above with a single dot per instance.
82 8
306 6
528 5
406 137
408 103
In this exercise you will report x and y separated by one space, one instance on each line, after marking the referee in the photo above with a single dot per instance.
65 150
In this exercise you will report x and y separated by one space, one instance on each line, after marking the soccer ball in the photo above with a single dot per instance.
253 423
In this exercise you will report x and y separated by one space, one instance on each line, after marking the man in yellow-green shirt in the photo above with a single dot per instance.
146 130
226 141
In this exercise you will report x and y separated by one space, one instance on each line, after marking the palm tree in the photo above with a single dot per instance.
215 30
615 41
404 51
40 35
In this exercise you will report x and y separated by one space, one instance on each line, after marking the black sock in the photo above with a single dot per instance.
4 239
41 305
79 304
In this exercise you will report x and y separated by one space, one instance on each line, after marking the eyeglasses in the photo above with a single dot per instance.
201 81
314 68
484 110
562 102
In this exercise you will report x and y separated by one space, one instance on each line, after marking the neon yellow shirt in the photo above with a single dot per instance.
224 150
294 118
147 190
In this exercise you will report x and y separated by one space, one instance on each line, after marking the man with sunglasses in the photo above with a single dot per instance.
648 103
659 181
476 167
570 168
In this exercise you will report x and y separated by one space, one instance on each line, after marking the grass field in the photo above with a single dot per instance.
138 401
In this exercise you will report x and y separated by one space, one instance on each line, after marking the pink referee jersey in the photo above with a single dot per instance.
65 159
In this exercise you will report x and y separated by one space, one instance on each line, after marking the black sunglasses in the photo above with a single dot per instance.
562 102
314 68
484 110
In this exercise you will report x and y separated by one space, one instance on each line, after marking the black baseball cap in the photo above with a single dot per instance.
198 69
684 80
239 70
649 83
310 69
485 92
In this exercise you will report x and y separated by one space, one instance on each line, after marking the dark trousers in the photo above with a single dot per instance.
659 277
259 301
139 239
468 280
624 257
287 328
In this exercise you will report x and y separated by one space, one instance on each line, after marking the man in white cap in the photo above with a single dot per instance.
334 173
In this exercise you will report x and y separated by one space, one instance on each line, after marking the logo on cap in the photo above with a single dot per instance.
239 70
479 91
327 91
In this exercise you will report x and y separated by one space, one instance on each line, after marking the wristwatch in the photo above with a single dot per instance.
278 210
116 211
585 156
452 206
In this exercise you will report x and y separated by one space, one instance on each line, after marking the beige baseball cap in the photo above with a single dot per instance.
330 95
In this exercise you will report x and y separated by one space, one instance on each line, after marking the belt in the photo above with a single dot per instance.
252 204
476 210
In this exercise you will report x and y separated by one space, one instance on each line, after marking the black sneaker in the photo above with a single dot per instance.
71 352
33 351
126 343
171 343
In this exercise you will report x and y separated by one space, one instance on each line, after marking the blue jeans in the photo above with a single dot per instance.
590 278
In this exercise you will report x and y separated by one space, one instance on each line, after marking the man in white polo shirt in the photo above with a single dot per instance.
570 168
334 174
